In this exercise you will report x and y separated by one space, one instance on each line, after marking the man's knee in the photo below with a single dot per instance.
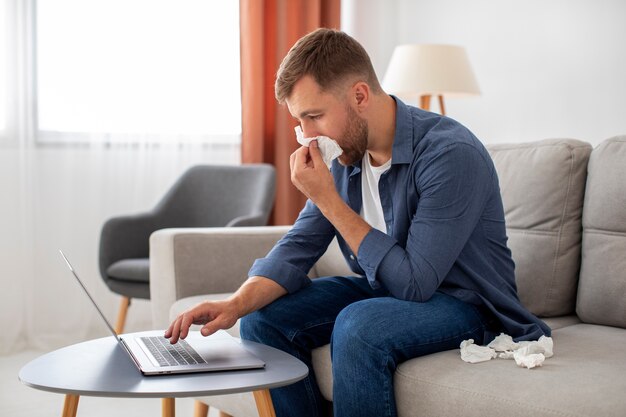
254 326
257 326
355 325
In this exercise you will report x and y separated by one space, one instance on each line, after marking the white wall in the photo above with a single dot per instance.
546 68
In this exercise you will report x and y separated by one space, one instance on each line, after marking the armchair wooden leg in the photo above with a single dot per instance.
121 315
223 414
200 409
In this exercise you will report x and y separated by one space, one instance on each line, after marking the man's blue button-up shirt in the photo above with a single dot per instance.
445 225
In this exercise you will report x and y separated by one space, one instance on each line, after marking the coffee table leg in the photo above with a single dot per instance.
264 403
70 406
168 406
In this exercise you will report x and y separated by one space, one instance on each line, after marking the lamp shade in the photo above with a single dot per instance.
422 69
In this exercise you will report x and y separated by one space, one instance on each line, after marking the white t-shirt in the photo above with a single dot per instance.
372 209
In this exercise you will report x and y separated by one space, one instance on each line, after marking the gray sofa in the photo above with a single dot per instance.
565 208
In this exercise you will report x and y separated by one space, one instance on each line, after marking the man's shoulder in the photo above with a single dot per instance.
423 133
436 135
446 132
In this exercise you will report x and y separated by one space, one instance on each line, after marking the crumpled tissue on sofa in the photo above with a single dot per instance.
328 147
527 354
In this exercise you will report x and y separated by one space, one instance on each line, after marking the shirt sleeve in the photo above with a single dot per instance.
290 260
453 186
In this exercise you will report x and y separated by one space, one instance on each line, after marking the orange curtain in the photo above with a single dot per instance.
268 29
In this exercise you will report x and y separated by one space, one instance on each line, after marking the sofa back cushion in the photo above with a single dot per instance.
542 185
602 287
332 263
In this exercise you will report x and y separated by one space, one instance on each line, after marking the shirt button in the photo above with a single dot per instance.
352 257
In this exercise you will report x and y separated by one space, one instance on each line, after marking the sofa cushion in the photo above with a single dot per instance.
332 263
542 185
602 288
585 377
322 365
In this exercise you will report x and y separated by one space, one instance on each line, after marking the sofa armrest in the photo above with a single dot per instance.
194 261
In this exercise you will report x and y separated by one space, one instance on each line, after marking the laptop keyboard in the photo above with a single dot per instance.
167 354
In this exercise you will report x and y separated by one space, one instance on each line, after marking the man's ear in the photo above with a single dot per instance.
361 95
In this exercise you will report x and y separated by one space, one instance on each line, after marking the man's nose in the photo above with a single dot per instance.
308 131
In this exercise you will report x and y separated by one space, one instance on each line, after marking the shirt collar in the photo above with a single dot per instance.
402 151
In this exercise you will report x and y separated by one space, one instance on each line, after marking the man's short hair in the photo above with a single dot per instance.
331 57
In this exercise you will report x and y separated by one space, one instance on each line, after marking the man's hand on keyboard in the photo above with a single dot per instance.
214 315
255 293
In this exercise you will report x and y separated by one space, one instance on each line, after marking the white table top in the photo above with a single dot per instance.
102 368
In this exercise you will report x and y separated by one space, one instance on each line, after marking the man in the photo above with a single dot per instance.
415 204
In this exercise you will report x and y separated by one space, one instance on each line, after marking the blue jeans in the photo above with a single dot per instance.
370 334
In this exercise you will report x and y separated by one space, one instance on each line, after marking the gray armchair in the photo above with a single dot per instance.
205 196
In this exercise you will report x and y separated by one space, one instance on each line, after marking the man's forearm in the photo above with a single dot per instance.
256 293
350 225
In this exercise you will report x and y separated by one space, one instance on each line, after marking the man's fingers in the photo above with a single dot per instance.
211 327
315 153
186 322
175 332
214 325
300 158
292 159
204 313
297 162
168 332
179 329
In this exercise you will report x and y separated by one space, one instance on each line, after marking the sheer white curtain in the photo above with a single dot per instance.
105 107
3 53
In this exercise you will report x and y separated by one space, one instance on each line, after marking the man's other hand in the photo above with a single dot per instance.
214 315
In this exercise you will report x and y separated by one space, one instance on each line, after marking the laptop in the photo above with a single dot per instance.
153 354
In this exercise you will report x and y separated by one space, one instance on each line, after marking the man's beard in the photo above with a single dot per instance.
353 139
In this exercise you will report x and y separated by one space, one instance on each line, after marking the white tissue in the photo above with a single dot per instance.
529 356
472 353
503 343
528 360
526 354
505 355
548 346
328 147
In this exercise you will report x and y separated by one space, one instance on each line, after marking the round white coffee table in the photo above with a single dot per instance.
101 368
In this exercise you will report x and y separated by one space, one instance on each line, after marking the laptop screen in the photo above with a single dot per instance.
90 297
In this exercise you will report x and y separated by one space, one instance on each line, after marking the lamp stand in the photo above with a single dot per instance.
425 103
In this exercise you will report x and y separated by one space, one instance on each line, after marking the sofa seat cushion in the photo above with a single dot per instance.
585 377
563 321
322 365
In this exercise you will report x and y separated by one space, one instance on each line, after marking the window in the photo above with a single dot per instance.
3 72
138 71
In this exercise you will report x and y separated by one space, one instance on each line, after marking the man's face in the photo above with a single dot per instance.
325 114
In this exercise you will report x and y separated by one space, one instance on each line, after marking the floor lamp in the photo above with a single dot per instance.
420 71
